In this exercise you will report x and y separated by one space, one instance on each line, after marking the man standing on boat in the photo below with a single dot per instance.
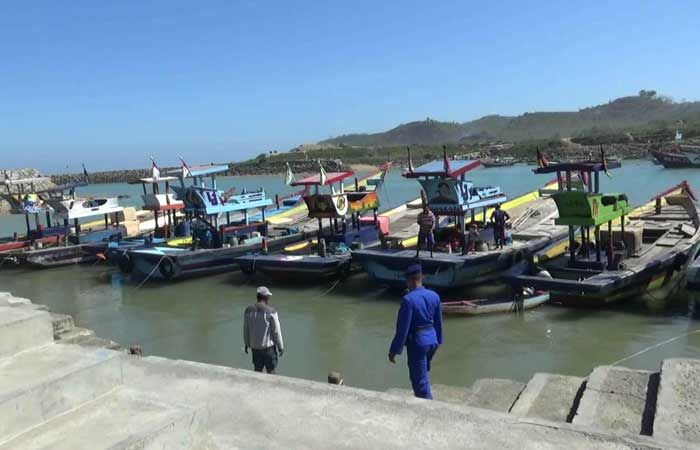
499 219
419 328
262 332
426 225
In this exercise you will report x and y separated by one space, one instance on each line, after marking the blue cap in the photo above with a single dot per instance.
413 269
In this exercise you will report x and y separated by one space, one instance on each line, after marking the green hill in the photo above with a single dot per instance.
646 110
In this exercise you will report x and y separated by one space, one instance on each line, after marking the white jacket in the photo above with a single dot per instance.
261 327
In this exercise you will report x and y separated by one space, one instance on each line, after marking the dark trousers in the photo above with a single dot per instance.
419 357
266 357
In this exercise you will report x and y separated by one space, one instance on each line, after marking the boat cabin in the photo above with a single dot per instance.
585 208
207 204
330 200
447 192
161 202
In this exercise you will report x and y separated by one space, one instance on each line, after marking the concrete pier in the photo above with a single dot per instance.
58 395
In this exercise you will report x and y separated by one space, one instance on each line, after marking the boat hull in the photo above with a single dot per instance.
168 264
444 271
652 284
296 267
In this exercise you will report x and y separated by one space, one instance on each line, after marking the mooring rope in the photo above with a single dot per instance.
152 271
328 291
667 341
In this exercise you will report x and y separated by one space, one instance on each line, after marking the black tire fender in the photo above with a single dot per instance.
167 267
126 265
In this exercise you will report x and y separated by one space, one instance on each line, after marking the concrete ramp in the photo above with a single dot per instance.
678 401
615 400
549 396
495 394
120 420
39 384
22 329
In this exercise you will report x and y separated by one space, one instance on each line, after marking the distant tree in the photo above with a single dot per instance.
647 94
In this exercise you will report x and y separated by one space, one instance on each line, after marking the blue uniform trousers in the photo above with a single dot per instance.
419 357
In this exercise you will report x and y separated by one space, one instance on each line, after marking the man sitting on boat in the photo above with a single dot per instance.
426 224
499 219
472 238
419 328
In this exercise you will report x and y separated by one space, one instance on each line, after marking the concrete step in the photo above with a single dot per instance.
39 384
451 394
494 393
441 392
120 420
616 400
678 401
90 340
73 333
550 397
23 329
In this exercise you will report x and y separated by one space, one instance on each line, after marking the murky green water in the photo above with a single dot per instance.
348 326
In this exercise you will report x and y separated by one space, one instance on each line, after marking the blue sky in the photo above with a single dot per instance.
109 83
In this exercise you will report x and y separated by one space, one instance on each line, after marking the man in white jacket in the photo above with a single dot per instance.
262 332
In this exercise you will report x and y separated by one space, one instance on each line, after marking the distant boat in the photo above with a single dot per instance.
680 157
498 162
490 306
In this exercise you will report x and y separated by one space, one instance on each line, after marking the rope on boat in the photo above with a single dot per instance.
667 341
152 271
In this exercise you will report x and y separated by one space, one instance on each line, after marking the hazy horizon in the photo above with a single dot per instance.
110 84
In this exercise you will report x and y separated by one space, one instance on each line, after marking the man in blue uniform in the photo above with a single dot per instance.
419 328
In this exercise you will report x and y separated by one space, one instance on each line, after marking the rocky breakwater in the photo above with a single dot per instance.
7 202
256 167
269 166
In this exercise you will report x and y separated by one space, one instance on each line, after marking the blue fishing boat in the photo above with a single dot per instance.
220 226
329 254
452 264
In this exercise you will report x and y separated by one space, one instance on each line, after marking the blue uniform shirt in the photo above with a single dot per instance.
419 321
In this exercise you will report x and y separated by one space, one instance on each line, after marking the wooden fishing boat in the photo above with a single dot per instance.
330 255
647 249
217 236
165 210
458 201
680 156
498 162
491 306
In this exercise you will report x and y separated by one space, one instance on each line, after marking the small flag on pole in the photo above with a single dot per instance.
605 163
186 172
155 170
289 178
323 177
85 173
446 160
541 160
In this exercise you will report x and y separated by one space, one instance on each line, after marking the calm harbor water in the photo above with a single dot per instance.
348 326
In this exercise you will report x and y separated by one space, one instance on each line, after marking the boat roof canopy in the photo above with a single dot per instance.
331 178
456 168
11 181
151 180
578 166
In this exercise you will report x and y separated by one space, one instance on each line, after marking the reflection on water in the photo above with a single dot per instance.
348 328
